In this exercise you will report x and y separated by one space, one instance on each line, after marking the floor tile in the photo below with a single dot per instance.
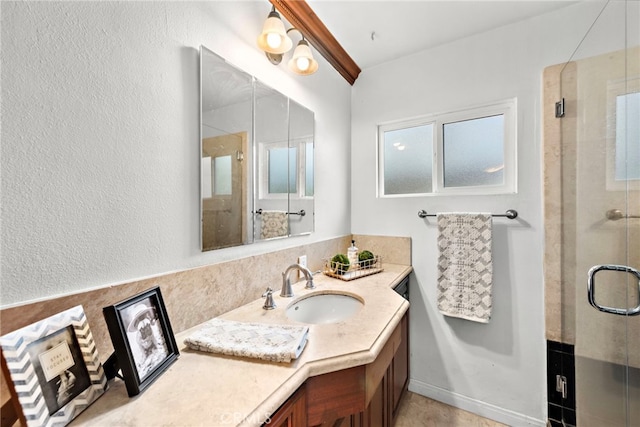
416 410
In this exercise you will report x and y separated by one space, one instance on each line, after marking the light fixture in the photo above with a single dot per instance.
274 38
302 61
275 42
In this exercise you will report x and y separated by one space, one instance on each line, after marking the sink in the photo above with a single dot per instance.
324 308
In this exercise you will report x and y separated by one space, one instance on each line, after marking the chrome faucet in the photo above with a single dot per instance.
286 281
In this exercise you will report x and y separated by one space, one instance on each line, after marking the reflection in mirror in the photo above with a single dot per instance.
272 134
285 167
244 200
301 195
226 103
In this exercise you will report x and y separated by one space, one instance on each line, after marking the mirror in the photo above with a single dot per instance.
226 100
284 179
301 149
242 119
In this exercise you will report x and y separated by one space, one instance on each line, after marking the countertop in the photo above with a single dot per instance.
206 389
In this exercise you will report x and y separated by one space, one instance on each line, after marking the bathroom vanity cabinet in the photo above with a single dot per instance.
293 412
353 372
361 396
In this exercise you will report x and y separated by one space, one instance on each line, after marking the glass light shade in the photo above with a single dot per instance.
302 61
274 38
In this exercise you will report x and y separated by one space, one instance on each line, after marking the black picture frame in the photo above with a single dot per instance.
53 369
142 338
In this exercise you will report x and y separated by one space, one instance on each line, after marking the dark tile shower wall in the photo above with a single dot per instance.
561 361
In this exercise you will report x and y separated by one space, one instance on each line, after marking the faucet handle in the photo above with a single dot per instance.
310 284
269 304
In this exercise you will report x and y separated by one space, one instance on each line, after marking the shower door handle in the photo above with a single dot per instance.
591 289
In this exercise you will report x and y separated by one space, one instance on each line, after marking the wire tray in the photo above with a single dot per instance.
348 272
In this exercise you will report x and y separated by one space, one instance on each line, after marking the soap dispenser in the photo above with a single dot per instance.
352 255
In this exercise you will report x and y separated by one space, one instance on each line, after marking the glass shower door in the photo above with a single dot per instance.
601 222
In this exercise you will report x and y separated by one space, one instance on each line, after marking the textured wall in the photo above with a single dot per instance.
100 130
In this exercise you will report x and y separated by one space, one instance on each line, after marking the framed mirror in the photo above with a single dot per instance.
257 161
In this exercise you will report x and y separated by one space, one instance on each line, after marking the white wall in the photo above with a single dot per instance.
496 369
100 130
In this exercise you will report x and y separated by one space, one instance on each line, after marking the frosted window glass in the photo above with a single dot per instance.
474 152
408 158
628 137
308 180
283 163
222 175
206 178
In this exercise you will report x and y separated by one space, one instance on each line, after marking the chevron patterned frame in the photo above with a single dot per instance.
54 369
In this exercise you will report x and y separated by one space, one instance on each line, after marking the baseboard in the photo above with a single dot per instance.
477 407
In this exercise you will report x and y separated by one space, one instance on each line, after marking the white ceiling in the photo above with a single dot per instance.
401 28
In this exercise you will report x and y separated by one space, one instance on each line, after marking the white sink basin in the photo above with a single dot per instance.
321 308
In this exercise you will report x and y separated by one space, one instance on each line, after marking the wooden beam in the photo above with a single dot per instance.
302 17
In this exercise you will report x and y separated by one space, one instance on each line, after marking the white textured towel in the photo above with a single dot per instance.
275 343
274 224
465 265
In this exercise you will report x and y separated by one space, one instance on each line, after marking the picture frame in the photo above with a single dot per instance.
142 338
54 369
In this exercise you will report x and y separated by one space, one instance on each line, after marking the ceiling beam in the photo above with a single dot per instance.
302 17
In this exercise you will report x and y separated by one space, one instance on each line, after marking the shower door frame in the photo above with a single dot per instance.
565 283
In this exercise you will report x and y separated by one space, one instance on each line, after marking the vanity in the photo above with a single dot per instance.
354 370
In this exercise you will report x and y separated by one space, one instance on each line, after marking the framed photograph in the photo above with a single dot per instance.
142 338
54 369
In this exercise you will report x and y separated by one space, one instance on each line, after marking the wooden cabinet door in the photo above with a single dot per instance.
293 413
377 413
335 395
339 398
400 365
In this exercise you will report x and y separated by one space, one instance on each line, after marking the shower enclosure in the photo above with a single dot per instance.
592 224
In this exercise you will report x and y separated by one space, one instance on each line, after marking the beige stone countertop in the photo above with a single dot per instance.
206 389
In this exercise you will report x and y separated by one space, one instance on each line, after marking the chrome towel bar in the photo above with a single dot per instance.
301 212
511 214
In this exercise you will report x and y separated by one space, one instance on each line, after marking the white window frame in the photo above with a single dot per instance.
263 190
507 108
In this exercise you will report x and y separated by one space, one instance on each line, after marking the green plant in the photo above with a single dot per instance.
367 259
340 263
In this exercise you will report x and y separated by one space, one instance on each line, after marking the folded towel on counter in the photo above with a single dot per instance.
274 224
275 343
465 265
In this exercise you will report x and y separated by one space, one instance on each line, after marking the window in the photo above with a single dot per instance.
623 135
309 188
282 164
627 145
464 152
408 155
216 176
286 169
473 152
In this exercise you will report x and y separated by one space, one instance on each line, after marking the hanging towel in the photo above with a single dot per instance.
274 224
465 266
275 343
